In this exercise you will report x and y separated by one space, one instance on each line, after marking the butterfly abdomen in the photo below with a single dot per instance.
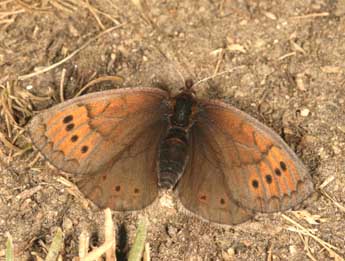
174 147
173 154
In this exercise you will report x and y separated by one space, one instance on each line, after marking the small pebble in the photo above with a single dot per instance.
305 112
293 250
67 225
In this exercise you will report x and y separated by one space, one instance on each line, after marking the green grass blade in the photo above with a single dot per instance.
9 248
56 246
139 242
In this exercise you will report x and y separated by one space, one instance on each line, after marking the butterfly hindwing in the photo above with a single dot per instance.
261 172
202 189
129 181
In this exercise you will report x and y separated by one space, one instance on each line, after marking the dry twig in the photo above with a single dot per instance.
46 69
307 232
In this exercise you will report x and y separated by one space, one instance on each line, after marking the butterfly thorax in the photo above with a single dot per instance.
174 147
182 110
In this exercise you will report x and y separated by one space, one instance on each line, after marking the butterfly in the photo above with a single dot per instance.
124 145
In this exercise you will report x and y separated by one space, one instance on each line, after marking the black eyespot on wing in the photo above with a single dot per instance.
255 183
74 138
67 119
70 127
84 149
283 166
268 179
278 172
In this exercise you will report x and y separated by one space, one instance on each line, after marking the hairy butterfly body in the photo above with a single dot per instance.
122 145
174 147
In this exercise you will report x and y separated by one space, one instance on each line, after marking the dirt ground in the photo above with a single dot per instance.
290 74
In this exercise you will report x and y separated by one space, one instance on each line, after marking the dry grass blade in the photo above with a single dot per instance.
109 235
139 242
326 182
84 240
64 6
7 143
112 4
304 231
314 15
34 161
7 21
305 240
219 60
9 16
14 102
55 246
9 13
37 257
15 109
219 74
143 7
73 190
98 80
28 192
29 96
115 21
9 248
107 248
269 253
18 135
46 69
98 252
5 2
22 151
62 81
6 102
147 252
286 56
32 7
312 219
71 7
94 13
341 207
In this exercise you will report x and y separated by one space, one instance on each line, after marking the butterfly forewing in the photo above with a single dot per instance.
259 170
110 139
81 135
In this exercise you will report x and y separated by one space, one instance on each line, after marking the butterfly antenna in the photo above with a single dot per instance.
179 72
218 74
172 63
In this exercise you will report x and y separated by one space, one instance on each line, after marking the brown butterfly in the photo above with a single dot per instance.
124 144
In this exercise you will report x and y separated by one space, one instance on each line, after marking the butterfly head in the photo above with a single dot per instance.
188 88
189 84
